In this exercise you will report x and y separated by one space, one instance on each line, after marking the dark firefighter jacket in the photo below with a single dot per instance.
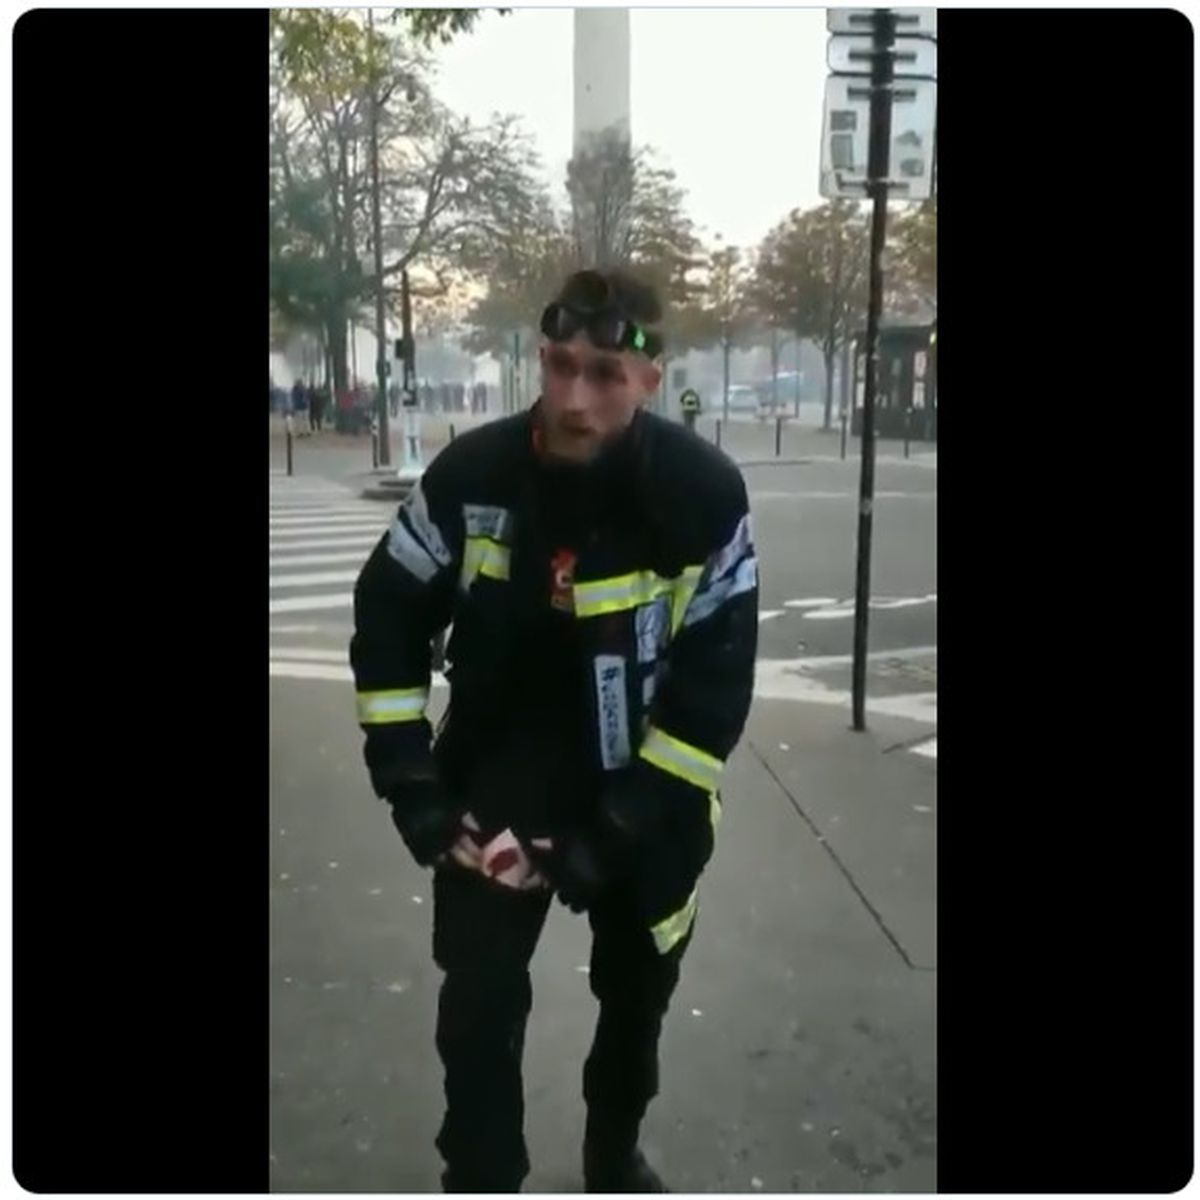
604 634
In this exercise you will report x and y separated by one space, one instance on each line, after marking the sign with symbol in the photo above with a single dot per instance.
853 55
690 401
910 22
845 139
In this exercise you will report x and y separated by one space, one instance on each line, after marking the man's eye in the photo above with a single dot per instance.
607 372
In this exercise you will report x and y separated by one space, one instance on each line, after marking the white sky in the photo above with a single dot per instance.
730 98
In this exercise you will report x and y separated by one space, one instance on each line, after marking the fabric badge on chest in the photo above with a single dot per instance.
613 710
652 623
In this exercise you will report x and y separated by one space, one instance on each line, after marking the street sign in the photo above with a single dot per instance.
852 54
690 401
910 22
845 138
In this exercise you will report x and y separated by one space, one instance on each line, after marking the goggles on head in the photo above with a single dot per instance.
606 329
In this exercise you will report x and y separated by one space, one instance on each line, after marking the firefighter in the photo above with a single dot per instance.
597 565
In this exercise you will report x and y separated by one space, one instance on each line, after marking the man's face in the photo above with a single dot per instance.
590 395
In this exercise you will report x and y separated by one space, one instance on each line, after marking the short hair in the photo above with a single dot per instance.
613 287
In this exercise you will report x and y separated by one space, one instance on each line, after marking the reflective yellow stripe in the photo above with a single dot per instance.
678 758
683 589
594 597
386 708
482 556
668 932
714 811
621 592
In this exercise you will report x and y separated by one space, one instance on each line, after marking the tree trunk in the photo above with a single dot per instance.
829 353
335 333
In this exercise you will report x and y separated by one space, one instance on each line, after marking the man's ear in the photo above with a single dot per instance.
650 373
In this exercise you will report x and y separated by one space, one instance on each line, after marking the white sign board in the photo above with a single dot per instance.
852 54
845 139
910 22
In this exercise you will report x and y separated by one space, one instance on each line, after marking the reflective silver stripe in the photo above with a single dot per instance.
705 602
486 520
423 526
409 552
677 758
734 549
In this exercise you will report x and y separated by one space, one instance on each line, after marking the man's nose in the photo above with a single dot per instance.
578 394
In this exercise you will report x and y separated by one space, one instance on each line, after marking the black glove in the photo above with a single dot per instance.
576 868
427 822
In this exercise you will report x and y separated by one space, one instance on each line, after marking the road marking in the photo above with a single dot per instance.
313 524
305 511
845 608
845 660
326 543
306 654
768 614
317 560
313 579
313 603
814 602
928 749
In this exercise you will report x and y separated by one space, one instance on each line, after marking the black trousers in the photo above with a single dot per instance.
483 939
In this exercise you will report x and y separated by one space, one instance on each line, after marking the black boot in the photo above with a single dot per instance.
612 1161
629 1174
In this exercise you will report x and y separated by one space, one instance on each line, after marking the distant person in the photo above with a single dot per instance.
300 405
316 408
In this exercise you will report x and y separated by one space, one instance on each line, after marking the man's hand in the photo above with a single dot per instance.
425 819
574 867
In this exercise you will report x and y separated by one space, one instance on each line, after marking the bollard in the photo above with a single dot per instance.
907 422
452 431
778 435
718 433
374 445
843 435
287 425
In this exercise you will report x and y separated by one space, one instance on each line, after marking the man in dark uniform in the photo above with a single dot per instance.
598 567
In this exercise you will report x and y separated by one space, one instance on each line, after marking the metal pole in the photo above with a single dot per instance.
774 370
907 423
725 355
778 435
287 426
883 32
385 457
845 419
718 433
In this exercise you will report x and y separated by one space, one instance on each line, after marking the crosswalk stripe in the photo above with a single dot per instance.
331 543
313 579
365 521
317 560
324 510
312 603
